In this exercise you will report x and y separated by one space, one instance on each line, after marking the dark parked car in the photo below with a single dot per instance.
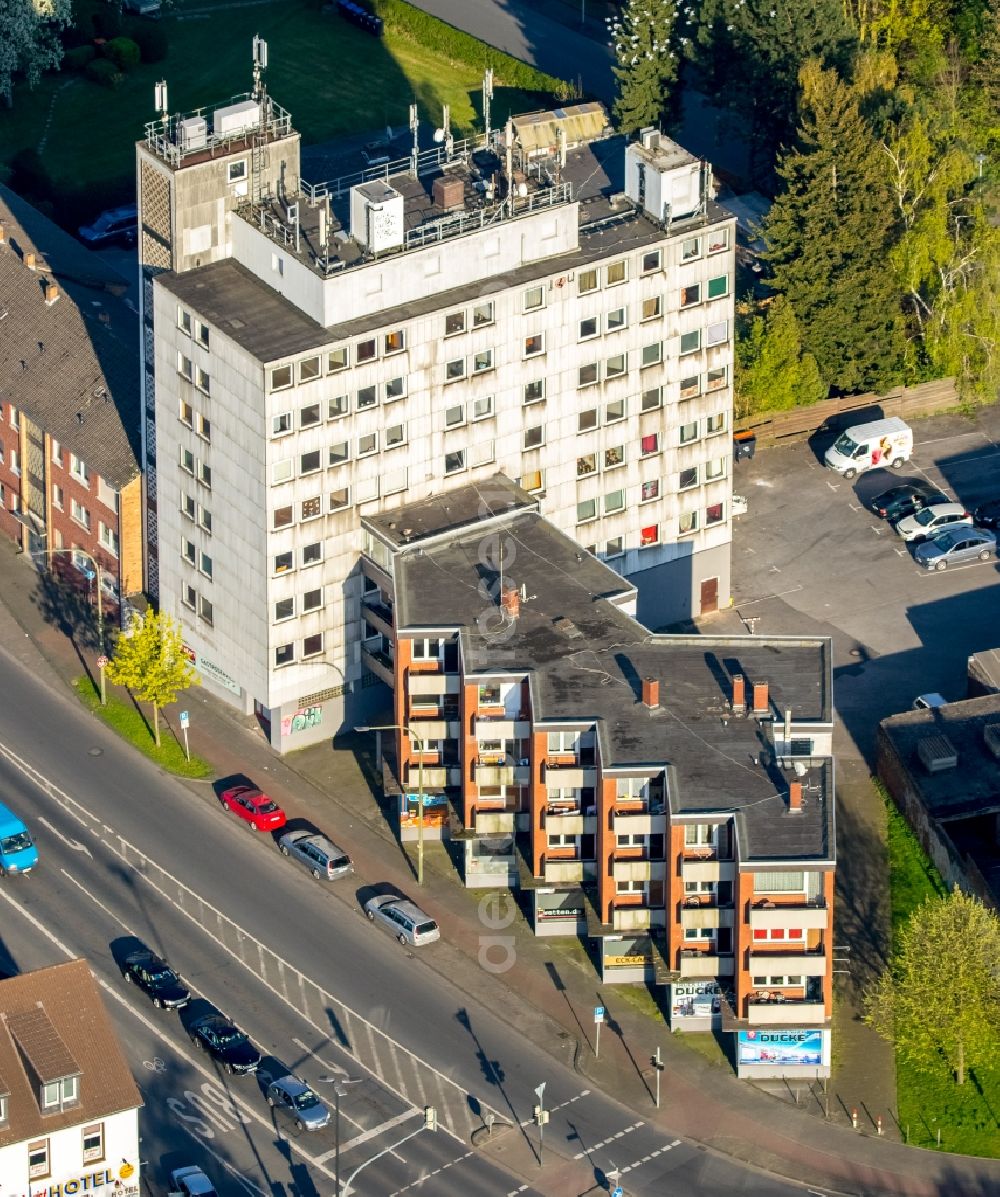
987 515
156 979
899 501
225 1042
116 226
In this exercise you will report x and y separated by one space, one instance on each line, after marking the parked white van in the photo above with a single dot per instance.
871 447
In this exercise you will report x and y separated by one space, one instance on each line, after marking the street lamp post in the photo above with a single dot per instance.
541 1117
98 574
420 743
339 1084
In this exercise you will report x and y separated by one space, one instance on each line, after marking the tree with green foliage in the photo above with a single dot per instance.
764 44
151 664
827 236
773 372
29 40
939 1000
947 252
645 67
986 67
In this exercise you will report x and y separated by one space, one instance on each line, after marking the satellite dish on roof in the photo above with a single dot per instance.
439 135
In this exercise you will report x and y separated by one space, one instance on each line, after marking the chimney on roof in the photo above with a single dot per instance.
795 797
739 694
29 259
51 294
761 705
510 600
651 692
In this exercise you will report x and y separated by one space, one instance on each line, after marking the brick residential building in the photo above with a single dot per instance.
69 404
668 797
544 299
69 1107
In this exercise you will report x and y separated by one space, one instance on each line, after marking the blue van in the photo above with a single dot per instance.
18 853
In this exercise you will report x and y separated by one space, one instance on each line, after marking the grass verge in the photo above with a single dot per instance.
929 1102
123 718
332 77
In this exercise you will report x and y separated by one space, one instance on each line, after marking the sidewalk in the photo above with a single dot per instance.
549 989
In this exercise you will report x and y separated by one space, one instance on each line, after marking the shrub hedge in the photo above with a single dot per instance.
401 17
123 52
104 71
79 57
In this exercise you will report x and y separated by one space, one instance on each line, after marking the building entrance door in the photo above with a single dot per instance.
709 596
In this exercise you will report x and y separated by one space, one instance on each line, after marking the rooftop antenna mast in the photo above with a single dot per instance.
160 100
487 98
414 129
259 67
508 137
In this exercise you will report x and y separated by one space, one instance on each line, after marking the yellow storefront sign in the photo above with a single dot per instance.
626 961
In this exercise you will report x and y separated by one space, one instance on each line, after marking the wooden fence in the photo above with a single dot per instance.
774 428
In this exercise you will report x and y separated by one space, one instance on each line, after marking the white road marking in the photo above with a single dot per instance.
74 844
245 1109
610 1139
444 1167
129 854
97 902
372 1133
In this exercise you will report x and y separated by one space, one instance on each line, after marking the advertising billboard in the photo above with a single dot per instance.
696 999
789 1049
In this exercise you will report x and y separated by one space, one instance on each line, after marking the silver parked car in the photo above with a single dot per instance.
928 521
957 546
321 856
404 919
297 1102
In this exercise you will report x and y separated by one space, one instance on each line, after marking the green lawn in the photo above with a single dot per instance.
332 77
122 717
966 1115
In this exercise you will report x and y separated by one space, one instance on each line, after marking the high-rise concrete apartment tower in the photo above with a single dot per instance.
543 301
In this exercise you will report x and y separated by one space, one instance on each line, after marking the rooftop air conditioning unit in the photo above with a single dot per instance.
937 753
377 217
192 134
991 737
235 118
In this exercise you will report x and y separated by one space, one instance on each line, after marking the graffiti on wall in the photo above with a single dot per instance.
303 718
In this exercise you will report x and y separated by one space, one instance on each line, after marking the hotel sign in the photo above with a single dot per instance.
124 1181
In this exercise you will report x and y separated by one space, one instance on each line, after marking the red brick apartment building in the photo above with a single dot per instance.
669 797
69 405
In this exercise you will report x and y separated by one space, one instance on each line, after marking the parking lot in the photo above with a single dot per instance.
811 557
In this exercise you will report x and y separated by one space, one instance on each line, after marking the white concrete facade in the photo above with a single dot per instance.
594 368
95 1157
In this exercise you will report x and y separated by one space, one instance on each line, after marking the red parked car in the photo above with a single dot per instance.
261 812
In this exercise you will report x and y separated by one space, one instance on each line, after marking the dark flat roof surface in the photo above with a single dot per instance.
973 786
269 327
586 658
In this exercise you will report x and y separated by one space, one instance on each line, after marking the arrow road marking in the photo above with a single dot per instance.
74 844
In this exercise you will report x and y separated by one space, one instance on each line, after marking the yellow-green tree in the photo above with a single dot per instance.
151 664
939 999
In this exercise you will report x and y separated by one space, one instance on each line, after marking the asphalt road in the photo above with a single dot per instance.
127 850
810 556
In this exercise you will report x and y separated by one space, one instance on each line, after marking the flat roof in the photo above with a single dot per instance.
586 658
973 787
271 328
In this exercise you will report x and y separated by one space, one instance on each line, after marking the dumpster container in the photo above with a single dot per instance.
744 445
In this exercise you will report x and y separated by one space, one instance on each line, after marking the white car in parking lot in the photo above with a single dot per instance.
929 521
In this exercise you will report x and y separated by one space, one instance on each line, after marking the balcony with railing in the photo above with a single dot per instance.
637 867
706 864
812 915
627 917
706 910
639 818
376 654
378 613
500 726
801 961
696 963
568 772
438 774
558 868
776 1006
